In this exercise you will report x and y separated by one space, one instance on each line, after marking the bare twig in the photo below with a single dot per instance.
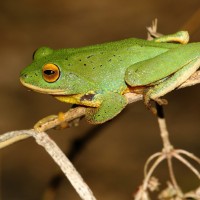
12 137
59 157
152 30
186 163
190 155
155 155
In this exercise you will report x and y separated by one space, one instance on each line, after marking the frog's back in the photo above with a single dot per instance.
126 43
105 64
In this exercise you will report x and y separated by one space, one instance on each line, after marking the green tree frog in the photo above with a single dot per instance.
98 76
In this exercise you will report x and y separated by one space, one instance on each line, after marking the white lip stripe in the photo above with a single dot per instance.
42 90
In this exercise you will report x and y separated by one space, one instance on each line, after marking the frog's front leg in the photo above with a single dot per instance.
111 105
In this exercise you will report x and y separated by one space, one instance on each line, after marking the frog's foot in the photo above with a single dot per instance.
112 104
180 37
46 123
43 123
161 101
148 101
63 124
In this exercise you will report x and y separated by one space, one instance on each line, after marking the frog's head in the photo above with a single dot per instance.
49 73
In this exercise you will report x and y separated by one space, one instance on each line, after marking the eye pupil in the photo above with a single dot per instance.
49 72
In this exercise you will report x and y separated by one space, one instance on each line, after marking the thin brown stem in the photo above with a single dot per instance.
167 147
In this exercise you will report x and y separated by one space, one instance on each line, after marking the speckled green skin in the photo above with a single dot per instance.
105 71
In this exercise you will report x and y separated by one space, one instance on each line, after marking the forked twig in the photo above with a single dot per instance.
168 152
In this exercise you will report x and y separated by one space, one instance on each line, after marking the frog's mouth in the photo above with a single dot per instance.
42 90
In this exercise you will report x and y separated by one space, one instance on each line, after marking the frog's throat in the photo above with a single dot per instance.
79 99
42 90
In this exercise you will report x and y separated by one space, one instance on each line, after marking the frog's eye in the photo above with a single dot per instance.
50 73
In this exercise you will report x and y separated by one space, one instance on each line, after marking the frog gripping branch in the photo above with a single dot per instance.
103 79
99 76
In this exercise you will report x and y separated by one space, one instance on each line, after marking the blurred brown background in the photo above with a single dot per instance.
112 161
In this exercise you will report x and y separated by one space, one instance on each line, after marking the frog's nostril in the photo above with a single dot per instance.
23 75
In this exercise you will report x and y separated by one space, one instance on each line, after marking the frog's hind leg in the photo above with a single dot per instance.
112 104
175 80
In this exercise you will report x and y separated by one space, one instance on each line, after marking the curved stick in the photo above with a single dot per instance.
149 160
190 155
185 162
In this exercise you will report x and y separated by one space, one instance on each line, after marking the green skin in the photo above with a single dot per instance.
98 76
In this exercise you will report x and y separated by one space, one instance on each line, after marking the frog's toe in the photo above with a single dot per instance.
148 104
161 101
43 123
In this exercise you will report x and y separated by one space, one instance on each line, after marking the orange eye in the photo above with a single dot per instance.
50 73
